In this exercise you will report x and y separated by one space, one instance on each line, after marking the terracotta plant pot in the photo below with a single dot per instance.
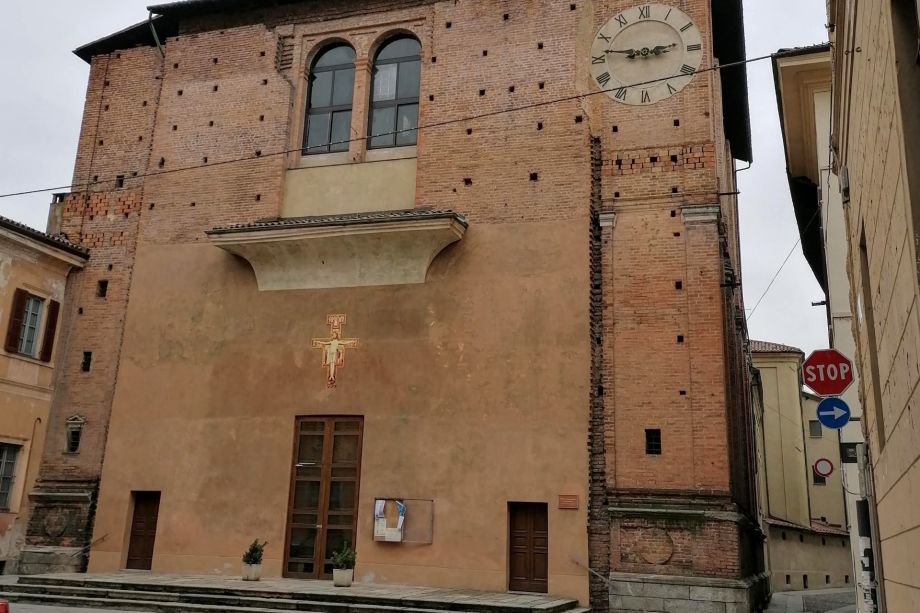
252 572
342 577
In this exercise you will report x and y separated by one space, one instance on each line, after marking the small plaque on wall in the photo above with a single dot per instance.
568 501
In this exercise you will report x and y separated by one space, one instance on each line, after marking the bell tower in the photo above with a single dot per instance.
675 517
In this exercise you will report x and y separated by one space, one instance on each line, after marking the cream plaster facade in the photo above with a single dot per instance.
875 138
32 262
803 79
804 518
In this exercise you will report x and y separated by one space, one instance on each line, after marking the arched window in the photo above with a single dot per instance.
394 96
332 83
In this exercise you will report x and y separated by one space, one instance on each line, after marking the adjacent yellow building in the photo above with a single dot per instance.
33 277
802 510
803 86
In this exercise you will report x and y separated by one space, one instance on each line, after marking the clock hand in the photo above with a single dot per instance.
663 49
630 53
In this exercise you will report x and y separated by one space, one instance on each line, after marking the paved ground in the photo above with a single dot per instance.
814 601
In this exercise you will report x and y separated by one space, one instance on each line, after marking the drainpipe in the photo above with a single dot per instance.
153 31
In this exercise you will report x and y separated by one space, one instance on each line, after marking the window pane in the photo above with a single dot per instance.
814 429
344 85
318 133
408 81
341 124
30 322
321 89
384 121
303 543
345 449
341 495
310 449
385 82
343 54
400 47
407 120
306 495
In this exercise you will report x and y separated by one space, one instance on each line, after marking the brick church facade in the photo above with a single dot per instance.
399 275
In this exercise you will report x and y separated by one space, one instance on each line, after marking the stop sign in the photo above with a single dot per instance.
828 372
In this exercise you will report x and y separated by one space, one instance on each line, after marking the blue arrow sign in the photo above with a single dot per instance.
833 413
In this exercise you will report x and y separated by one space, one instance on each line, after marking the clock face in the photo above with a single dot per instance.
646 54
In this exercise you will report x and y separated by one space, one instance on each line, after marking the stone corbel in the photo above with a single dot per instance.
700 213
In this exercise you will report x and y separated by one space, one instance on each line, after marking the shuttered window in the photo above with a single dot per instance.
22 334
8 454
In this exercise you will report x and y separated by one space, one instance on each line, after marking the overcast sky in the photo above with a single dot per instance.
44 84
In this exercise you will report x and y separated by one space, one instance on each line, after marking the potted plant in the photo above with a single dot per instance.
343 566
252 561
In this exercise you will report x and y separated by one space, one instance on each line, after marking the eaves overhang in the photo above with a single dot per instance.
138 35
797 74
333 251
729 48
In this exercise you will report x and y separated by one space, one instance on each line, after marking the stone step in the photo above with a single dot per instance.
254 598
79 602
153 600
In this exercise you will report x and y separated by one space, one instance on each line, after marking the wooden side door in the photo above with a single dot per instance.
143 530
323 504
528 543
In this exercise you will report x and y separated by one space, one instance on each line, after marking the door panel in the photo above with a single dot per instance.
322 516
528 542
143 530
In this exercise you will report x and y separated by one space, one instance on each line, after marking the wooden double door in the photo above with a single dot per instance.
323 505
528 541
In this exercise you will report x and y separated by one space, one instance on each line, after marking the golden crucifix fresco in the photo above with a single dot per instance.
334 347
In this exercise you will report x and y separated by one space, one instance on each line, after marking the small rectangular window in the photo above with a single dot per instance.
74 434
87 362
818 479
653 442
814 429
804 582
8 455
102 288
788 579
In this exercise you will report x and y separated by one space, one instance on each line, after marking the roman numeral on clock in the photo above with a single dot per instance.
687 27
645 12
621 19
687 69
645 96
603 79
620 94
606 39
671 89
598 60
694 47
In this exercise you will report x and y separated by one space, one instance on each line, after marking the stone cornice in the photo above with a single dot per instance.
316 253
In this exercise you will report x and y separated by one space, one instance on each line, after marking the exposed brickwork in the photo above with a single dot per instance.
598 520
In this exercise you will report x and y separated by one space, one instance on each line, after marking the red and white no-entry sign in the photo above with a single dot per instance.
823 467
828 372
